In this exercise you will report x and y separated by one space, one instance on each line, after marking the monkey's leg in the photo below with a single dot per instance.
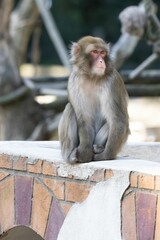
116 138
67 131
100 139
84 152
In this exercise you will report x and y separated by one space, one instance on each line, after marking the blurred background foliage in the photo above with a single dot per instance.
38 90
75 19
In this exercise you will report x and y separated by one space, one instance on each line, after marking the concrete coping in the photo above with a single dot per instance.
141 157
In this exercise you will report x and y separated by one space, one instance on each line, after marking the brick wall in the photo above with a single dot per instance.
39 194
141 208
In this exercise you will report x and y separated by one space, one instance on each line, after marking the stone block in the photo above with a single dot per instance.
76 191
20 163
134 180
146 213
23 197
157 230
146 181
65 206
5 161
40 208
7 204
49 168
56 186
108 174
3 175
98 175
35 168
55 221
157 183
129 218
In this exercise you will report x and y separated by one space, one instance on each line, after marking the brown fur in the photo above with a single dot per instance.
94 124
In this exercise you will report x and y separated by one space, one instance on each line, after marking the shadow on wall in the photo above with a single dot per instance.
20 232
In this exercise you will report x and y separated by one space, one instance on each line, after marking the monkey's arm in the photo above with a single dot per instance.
68 133
117 119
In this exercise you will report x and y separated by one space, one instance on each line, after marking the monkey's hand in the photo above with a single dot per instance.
98 148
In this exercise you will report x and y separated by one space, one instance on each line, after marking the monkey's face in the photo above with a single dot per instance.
98 65
90 56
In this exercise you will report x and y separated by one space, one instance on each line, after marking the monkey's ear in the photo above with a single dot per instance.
108 47
74 51
75 48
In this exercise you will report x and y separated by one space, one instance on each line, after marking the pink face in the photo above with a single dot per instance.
99 65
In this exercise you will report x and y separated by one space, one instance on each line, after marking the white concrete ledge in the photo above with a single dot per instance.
139 157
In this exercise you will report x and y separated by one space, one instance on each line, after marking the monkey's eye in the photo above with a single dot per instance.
95 51
103 53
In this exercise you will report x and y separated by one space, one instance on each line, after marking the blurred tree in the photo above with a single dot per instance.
19 113
20 21
85 17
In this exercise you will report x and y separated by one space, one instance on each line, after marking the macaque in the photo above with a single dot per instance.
94 124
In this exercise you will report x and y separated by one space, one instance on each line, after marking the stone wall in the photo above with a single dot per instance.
117 200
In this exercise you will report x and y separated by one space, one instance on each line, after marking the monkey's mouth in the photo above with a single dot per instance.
98 71
101 67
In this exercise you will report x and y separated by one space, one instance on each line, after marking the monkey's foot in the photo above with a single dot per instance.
73 158
80 156
103 156
98 148
99 157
